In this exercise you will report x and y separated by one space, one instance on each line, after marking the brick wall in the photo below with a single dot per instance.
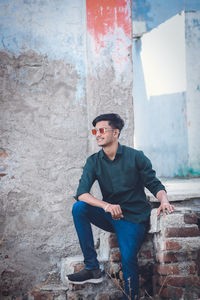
169 263
176 248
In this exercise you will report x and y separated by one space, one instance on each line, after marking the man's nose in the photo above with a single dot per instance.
98 133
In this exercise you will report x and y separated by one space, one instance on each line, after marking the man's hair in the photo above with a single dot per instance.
114 120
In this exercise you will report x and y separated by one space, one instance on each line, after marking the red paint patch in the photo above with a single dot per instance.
105 16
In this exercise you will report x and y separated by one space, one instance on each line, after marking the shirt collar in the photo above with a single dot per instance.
119 152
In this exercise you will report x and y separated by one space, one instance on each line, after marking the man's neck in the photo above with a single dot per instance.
111 150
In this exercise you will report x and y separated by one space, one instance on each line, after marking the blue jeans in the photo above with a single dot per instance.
129 235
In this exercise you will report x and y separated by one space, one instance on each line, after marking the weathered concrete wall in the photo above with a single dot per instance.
45 117
43 127
193 89
159 97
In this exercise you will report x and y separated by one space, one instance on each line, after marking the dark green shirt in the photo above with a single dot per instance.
122 181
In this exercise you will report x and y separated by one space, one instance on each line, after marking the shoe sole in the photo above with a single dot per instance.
99 280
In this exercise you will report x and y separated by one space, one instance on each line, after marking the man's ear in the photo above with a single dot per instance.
116 132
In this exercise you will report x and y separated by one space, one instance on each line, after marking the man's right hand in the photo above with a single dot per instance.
115 211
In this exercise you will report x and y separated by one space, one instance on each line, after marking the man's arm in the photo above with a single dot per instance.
153 184
165 206
83 192
114 209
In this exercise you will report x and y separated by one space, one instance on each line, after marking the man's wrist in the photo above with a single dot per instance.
106 207
164 201
162 196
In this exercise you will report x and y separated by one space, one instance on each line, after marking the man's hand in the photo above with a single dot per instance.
165 206
115 211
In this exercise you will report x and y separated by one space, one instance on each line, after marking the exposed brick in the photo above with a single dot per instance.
77 287
190 218
178 281
192 269
72 297
113 243
170 245
146 254
115 256
103 296
182 232
3 154
166 257
167 269
5 293
198 262
2 174
42 296
170 292
196 281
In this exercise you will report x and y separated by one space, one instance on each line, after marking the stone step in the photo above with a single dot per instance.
74 264
108 289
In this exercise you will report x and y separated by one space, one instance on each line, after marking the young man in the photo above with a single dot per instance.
122 173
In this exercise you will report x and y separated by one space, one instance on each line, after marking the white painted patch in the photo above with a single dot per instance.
163 57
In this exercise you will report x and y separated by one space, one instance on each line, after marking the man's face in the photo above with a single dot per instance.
107 138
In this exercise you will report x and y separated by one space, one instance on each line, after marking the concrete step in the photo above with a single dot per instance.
108 289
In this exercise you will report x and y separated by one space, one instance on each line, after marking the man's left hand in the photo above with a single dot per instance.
166 208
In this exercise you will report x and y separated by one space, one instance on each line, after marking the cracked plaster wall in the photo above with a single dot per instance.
43 127
47 103
40 132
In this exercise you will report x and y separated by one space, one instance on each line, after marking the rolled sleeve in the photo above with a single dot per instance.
148 175
87 179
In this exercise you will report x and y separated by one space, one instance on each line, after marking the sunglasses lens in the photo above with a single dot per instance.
102 130
94 131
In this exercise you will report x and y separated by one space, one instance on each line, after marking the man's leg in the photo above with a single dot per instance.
130 237
85 214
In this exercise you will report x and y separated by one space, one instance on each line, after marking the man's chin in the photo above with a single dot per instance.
100 144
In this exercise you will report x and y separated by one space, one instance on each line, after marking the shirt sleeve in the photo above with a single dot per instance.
87 179
147 174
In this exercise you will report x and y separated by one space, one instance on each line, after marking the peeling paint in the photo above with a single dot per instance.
55 30
187 173
154 13
109 31
103 17
109 73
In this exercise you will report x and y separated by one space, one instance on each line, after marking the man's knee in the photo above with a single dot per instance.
79 208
